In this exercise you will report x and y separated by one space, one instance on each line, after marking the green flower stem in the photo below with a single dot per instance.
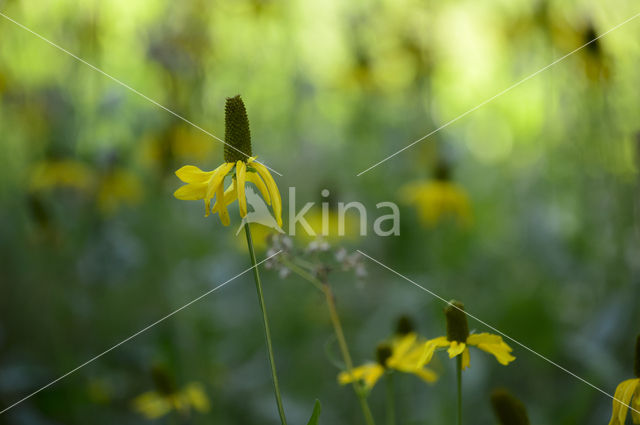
337 329
459 380
265 320
391 399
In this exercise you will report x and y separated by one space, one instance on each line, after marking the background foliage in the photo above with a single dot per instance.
331 88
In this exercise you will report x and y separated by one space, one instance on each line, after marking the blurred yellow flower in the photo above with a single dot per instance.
61 173
458 339
239 164
438 199
628 394
402 355
153 404
118 187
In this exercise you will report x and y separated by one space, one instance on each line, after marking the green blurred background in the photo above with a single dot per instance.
98 248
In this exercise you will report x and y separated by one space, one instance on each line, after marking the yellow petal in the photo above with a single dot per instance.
192 174
217 179
400 348
429 347
194 395
465 359
426 375
369 373
635 404
151 405
622 397
191 191
492 344
273 190
373 376
257 180
456 348
222 208
230 195
241 171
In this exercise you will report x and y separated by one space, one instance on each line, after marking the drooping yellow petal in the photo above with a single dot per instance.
622 397
192 174
195 396
230 195
370 373
217 179
492 344
152 405
429 348
241 171
400 348
426 374
635 404
273 190
257 180
465 358
373 376
456 348
222 207
191 191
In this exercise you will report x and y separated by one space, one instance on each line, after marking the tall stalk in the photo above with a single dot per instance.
265 321
337 329
391 398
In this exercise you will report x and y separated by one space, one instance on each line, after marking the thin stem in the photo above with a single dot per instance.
342 342
459 379
265 321
391 399
337 329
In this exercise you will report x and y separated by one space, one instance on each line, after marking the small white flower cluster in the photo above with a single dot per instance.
317 257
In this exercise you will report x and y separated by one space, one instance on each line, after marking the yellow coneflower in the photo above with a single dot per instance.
438 199
239 164
402 355
153 404
458 339
61 173
118 187
167 397
628 394
242 168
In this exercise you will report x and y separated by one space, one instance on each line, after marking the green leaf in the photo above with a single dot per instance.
315 416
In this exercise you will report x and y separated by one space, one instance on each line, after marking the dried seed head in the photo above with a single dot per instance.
508 409
236 131
457 326
636 366
404 325
383 352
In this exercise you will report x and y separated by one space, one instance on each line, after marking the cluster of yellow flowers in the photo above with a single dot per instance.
410 353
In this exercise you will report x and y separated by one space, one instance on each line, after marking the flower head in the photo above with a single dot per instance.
458 339
167 397
239 165
402 354
438 198
628 394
